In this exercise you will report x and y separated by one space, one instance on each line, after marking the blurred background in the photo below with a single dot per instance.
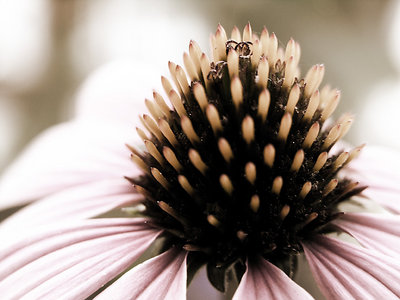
49 47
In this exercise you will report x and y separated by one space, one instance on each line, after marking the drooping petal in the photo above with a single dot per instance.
67 155
345 271
380 232
76 262
80 202
263 280
162 277
388 198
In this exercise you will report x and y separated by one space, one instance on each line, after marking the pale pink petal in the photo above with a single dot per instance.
376 231
116 91
162 277
67 155
346 271
80 202
389 198
76 263
263 280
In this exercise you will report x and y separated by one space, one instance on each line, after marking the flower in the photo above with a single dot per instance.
241 175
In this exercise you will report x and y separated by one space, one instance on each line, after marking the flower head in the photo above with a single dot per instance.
238 175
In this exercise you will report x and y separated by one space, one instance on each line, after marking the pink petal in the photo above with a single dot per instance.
389 198
378 232
116 91
67 155
345 271
263 280
162 277
81 202
76 263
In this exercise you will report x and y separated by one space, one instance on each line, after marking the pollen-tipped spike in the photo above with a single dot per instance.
290 50
142 134
205 69
354 153
321 160
264 100
294 96
154 110
200 95
284 128
313 79
250 172
311 217
332 137
272 50
269 155
297 53
220 40
284 212
297 160
152 149
277 185
340 160
187 128
264 40
290 72
167 132
346 125
255 58
171 158
237 92
166 85
190 67
195 54
305 190
213 118
225 149
312 106
330 187
186 185
233 63
161 104
141 190
247 33
176 101
182 79
241 235
280 55
159 177
226 184
351 186
311 135
197 162
235 35
152 127
255 203
263 73
330 106
172 71
139 162
133 150
248 129
169 210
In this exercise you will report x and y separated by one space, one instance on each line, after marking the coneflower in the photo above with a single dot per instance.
238 174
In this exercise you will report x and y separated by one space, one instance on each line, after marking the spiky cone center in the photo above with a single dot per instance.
240 165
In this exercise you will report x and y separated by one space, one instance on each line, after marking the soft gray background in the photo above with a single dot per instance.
47 49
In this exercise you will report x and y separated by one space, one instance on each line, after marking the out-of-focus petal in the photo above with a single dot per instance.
116 91
379 169
162 277
345 271
376 231
74 263
263 280
81 202
67 155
